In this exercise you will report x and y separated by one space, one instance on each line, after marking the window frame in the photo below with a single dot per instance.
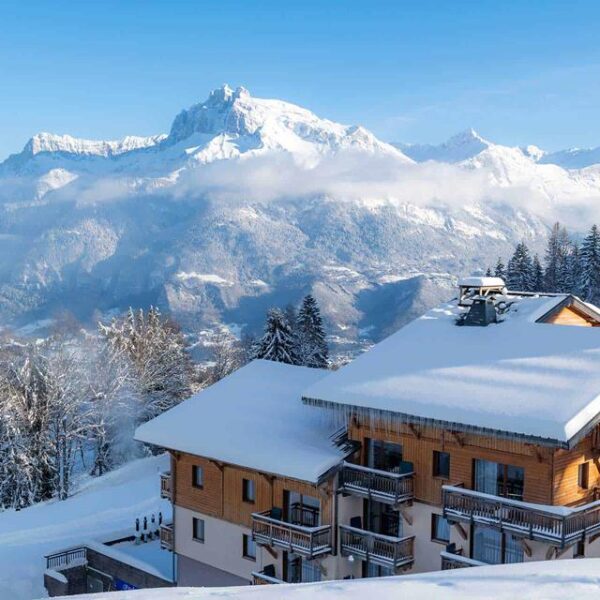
246 485
583 475
434 520
195 521
247 541
435 470
197 469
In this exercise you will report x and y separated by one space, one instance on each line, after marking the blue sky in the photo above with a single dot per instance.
518 72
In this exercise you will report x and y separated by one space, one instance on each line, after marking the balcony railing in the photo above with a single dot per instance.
167 538
558 525
66 558
379 549
260 578
165 485
305 541
458 561
383 486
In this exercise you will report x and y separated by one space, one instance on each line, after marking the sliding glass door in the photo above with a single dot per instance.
494 547
498 479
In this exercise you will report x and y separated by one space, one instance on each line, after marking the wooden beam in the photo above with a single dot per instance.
271 551
414 430
593 538
406 516
461 530
550 552
560 552
526 548
537 452
459 438
217 464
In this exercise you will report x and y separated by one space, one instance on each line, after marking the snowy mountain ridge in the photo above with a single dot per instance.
249 202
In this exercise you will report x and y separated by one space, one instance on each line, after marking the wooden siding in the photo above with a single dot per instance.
566 472
222 495
570 316
419 443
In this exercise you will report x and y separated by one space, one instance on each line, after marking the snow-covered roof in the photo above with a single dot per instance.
253 418
518 376
482 282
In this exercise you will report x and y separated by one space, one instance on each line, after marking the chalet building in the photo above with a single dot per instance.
468 437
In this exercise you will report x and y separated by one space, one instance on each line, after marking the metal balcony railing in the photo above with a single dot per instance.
299 539
384 550
66 558
384 486
558 525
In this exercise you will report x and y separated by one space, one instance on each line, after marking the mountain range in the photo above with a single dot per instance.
248 203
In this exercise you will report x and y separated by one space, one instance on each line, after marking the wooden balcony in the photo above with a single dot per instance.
384 486
260 578
165 485
384 550
299 539
451 561
557 525
167 537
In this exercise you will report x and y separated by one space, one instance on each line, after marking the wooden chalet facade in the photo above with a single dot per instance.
398 492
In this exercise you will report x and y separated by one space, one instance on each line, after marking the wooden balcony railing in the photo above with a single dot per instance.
167 538
383 486
165 485
379 549
558 525
458 561
305 541
260 578
66 558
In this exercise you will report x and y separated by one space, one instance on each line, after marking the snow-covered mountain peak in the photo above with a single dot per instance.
459 147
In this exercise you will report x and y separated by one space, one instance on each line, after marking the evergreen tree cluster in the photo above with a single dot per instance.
567 267
295 338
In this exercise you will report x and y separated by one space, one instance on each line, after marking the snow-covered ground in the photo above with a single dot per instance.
551 580
102 508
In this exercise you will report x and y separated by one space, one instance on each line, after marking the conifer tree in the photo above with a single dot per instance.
488 272
590 266
537 283
500 270
553 259
312 346
277 342
519 271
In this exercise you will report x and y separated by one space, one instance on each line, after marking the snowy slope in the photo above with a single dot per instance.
550 580
102 507
249 202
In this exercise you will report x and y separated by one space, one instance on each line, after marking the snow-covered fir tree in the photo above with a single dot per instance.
519 276
500 269
277 343
590 266
553 258
537 274
312 345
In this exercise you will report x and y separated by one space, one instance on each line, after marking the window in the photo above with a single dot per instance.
498 479
198 526
583 478
385 456
441 464
249 547
440 529
248 490
197 476
494 547
579 551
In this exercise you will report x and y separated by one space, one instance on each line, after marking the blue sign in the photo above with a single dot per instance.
121 585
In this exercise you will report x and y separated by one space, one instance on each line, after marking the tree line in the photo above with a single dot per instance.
567 266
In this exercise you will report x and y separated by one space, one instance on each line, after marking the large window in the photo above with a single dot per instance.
302 509
441 464
440 529
248 490
197 476
300 570
494 547
249 547
198 529
385 456
498 479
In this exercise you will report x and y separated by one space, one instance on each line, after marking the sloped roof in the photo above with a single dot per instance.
518 376
253 418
